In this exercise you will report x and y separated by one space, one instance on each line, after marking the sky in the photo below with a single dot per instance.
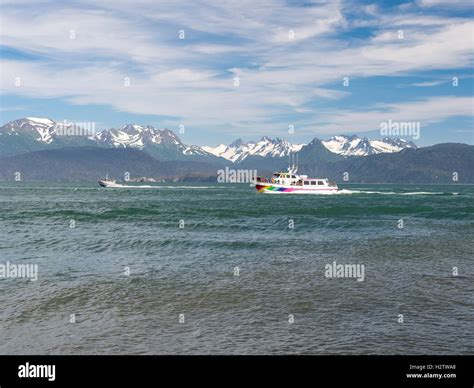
224 70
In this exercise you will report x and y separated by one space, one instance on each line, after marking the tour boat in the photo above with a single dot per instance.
291 183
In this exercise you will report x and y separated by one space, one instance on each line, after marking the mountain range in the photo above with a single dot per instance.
34 134
45 149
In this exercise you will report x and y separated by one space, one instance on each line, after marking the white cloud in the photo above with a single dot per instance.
192 79
428 84
445 3
428 111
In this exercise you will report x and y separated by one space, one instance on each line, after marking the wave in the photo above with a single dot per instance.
118 186
158 187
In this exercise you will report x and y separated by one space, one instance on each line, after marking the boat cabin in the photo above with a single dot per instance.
297 180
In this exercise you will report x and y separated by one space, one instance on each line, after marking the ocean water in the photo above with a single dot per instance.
236 278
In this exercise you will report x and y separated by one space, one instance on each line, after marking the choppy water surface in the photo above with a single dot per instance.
281 270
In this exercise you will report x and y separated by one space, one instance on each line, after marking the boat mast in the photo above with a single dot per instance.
289 162
291 166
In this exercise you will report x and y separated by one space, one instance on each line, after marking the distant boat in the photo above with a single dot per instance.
112 183
108 183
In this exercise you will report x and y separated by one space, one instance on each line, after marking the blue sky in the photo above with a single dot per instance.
70 61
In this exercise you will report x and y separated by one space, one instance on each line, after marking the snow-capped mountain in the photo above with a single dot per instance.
148 137
34 134
41 129
356 146
137 136
266 147
342 145
44 149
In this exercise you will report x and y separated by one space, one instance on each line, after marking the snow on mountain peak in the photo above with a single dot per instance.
137 136
347 145
40 120
238 151
356 146
133 135
43 128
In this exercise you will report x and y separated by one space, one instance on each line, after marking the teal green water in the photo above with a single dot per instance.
192 270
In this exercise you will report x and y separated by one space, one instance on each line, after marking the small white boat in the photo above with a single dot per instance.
112 184
108 183
292 183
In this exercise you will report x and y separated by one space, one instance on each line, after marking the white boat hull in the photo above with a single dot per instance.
271 188
111 184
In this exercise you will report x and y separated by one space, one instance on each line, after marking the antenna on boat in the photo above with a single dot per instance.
289 162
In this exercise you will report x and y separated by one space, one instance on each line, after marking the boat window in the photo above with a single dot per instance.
293 176
306 183
320 183
313 183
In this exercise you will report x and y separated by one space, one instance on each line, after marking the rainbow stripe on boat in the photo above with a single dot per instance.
268 188
262 188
